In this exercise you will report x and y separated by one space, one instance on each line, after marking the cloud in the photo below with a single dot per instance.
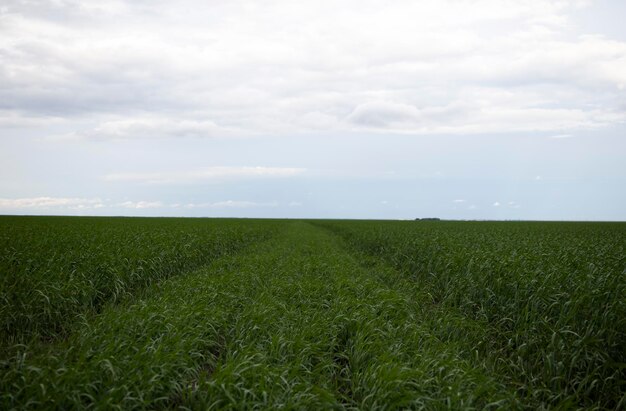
209 174
73 203
458 201
560 136
480 117
12 119
381 114
123 70
148 128
139 204
232 204
496 204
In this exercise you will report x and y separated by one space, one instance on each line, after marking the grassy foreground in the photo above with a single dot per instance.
55 269
331 315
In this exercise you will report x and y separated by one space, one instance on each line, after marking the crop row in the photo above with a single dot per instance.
552 294
296 322
55 269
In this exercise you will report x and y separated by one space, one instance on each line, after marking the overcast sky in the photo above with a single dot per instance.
486 109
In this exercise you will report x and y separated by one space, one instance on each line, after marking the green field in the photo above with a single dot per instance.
164 313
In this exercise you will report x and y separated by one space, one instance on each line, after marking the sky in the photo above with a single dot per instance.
457 109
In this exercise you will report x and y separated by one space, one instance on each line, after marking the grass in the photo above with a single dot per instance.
55 269
553 295
338 315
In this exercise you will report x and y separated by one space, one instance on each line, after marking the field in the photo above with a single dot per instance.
136 313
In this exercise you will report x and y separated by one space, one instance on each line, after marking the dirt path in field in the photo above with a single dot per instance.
299 321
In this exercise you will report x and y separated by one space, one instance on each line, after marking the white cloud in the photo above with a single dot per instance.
149 127
479 117
50 202
214 174
232 204
73 204
10 119
131 70
458 201
140 204
496 204
561 136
